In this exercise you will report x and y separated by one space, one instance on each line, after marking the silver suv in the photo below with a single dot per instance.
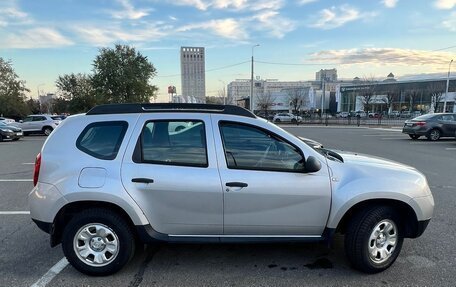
38 124
123 174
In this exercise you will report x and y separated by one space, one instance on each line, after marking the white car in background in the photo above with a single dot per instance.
6 120
38 124
287 118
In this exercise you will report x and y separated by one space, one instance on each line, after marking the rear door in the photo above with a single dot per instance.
170 170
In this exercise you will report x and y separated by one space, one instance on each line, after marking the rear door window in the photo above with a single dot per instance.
174 142
102 139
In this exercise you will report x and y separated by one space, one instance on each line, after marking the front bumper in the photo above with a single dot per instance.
13 135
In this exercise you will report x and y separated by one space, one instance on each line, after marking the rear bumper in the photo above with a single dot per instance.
414 131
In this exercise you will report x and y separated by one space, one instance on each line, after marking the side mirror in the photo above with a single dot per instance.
21 121
312 164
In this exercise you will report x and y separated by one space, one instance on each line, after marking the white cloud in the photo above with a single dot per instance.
105 36
237 5
273 23
450 23
35 38
128 11
338 16
305 2
198 4
10 14
228 28
445 4
389 3
383 56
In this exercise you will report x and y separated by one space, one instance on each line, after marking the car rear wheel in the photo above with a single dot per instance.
374 239
293 121
434 135
98 242
277 121
47 130
414 137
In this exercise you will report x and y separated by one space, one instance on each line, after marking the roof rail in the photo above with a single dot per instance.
169 108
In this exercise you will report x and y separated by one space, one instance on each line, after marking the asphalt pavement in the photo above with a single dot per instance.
26 259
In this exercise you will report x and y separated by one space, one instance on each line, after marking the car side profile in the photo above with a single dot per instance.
432 126
38 124
8 132
123 174
287 118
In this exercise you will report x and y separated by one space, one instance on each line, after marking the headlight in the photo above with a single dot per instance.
6 130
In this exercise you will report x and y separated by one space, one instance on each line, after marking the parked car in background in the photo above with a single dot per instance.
374 115
39 124
432 126
9 132
406 114
342 115
6 120
359 114
394 114
286 117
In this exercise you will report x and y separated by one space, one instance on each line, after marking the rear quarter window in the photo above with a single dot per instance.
102 140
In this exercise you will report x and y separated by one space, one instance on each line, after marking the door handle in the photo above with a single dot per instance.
236 184
142 180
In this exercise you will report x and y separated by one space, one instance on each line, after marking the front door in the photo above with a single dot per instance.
172 174
266 190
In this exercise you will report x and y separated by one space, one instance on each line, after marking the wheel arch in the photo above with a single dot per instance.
406 212
66 213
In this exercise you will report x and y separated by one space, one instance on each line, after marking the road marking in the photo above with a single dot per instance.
16 180
429 142
390 138
14 212
28 163
382 135
56 269
450 148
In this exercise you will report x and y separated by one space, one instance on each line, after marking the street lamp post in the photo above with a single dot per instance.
251 82
447 85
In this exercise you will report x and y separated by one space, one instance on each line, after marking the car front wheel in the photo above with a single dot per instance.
98 242
374 239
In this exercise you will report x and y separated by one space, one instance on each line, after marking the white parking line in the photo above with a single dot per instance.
429 143
28 163
390 138
56 269
16 180
450 148
14 212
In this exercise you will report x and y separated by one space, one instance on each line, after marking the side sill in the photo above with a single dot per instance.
148 235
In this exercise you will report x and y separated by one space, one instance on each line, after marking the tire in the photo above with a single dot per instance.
414 137
1 138
101 226
47 130
277 121
15 139
361 239
434 135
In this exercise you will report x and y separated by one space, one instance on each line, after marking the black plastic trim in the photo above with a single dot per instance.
170 108
148 235
44 226
421 227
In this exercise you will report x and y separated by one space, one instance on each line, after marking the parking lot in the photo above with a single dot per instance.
27 259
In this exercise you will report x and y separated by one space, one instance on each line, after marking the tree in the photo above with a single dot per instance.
436 90
297 99
264 102
392 94
12 92
60 105
77 89
33 106
368 93
412 93
214 100
122 75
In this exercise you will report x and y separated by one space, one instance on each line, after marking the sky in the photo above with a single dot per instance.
47 38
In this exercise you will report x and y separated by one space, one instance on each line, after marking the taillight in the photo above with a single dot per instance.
420 124
36 170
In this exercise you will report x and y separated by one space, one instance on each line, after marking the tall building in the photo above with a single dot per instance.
329 74
193 76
